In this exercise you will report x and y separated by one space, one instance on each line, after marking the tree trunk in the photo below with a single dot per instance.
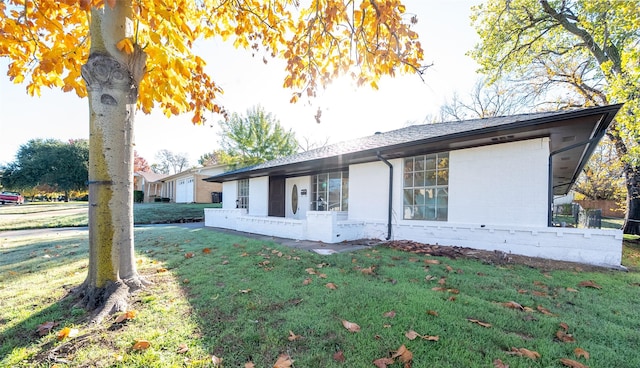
112 78
632 217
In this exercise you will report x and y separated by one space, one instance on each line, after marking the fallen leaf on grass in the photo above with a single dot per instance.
217 361
403 354
572 290
526 353
368 270
432 313
383 362
564 326
483 324
412 335
67 332
499 364
310 271
129 315
182 348
245 291
206 250
564 337
389 314
284 361
352 327
292 336
225 262
431 261
572 363
189 255
513 305
160 270
249 365
580 352
544 310
307 281
339 357
46 327
141 345
590 283
331 286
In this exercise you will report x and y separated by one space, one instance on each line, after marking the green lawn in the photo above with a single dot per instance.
72 214
244 300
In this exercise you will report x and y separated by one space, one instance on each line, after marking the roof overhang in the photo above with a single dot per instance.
573 136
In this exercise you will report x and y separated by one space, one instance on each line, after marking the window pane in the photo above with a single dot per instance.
419 196
443 177
419 163
430 162
408 180
418 179
408 164
430 178
408 197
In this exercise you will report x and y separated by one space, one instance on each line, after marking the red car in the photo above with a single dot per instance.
11 197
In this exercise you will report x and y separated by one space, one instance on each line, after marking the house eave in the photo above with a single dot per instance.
563 129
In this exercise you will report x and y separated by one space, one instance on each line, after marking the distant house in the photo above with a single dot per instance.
484 183
189 187
149 183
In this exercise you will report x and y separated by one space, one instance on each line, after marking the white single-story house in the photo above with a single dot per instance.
484 184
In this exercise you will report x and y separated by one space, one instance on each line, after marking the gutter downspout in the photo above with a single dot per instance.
550 185
390 205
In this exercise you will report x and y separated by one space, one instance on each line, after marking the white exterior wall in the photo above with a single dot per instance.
259 196
302 183
497 201
369 190
501 184
229 194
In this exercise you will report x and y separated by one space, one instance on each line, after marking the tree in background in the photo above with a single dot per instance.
59 166
576 53
602 177
488 100
169 162
216 157
140 164
255 138
140 54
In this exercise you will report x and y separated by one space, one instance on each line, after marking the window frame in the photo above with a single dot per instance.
242 194
330 191
425 187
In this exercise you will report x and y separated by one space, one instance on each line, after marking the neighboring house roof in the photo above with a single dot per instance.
205 170
150 176
573 134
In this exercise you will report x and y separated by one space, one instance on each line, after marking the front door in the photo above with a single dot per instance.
276 196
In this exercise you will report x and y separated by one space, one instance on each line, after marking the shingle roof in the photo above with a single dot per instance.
415 135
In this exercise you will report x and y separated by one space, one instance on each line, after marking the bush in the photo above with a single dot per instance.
138 196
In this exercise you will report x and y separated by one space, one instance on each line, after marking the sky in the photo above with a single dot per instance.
347 112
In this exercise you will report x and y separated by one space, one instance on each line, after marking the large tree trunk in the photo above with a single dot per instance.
112 78
632 218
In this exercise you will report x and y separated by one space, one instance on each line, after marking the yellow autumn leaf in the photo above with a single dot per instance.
126 316
141 345
125 45
67 332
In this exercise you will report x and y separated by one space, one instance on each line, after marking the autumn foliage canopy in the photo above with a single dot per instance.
48 42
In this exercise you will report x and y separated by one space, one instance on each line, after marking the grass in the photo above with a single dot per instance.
240 299
74 214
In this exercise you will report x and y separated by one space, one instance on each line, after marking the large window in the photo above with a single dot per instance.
426 187
330 191
243 194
